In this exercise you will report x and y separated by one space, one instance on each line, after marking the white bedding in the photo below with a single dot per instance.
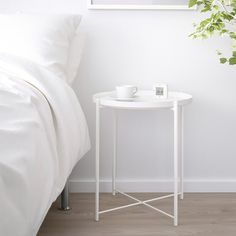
44 39
43 134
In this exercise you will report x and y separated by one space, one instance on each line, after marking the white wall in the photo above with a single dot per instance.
143 47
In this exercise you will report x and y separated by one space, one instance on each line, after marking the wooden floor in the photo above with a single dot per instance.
199 214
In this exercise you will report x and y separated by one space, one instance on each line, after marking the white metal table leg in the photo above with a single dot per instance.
114 153
176 160
97 159
181 150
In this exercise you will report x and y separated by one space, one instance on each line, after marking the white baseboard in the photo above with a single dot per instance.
193 185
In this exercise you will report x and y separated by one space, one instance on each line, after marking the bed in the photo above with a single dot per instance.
43 131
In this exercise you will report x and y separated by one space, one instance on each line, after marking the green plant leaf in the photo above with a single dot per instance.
232 60
223 60
192 3
219 21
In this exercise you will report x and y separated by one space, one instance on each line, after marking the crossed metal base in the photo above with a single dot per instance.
139 202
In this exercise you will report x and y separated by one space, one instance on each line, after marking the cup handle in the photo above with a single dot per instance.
135 90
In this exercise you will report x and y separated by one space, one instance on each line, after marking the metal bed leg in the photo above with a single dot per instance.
65 198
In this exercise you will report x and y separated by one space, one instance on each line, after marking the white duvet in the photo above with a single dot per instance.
43 134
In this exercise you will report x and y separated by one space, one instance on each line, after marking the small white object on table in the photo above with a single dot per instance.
144 100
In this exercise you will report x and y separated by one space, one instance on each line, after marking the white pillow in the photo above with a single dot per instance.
43 39
75 55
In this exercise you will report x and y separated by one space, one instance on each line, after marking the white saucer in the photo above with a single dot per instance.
125 99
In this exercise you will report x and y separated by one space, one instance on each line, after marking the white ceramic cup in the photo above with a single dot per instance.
126 91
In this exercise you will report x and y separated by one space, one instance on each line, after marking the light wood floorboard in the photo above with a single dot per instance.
212 214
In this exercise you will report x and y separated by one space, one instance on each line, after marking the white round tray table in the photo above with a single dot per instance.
144 100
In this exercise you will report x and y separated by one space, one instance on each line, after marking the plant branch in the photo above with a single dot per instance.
225 9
